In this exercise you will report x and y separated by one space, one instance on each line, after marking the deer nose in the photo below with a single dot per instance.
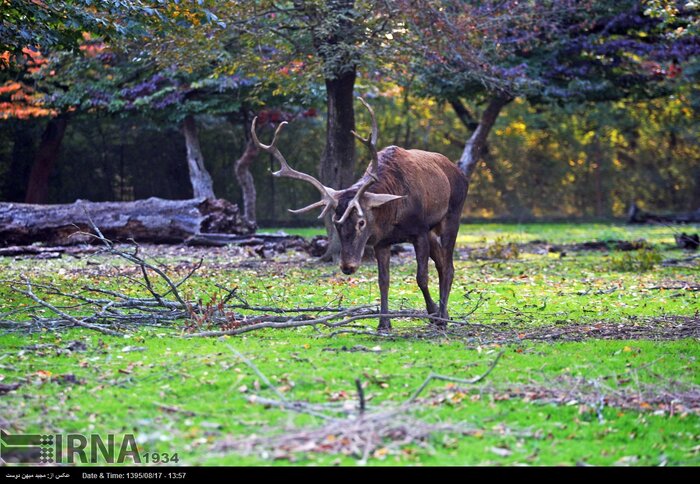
348 269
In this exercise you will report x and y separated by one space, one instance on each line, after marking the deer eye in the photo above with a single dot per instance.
361 224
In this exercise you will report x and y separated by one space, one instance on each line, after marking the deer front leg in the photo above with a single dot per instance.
422 246
383 255
445 252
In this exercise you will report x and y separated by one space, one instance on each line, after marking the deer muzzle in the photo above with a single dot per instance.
348 268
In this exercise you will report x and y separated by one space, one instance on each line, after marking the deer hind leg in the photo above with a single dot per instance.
437 253
422 246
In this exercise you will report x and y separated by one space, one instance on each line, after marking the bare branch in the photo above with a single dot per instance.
471 381
29 293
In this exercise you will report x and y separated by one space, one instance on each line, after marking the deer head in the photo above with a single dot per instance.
352 207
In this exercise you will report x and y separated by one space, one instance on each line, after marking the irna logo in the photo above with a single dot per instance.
68 448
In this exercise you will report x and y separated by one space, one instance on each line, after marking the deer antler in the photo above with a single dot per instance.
372 172
328 195
371 140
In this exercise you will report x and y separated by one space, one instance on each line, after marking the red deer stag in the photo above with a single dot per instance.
417 196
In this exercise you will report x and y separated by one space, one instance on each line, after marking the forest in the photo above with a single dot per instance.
162 286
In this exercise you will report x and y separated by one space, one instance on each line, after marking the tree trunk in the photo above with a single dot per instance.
202 186
332 30
474 148
337 168
333 248
38 187
245 179
14 186
464 115
152 220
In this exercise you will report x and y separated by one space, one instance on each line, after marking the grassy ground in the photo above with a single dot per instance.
549 401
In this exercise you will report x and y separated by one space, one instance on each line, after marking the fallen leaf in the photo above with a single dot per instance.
627 460
501 451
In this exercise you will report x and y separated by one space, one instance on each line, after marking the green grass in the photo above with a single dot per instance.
559 233
562 233
125 384
303 231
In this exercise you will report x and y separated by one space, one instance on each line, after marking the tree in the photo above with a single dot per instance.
545 51
333 28
107 79
24 101
294 47
28 28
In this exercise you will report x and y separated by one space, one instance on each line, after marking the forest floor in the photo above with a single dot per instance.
588 352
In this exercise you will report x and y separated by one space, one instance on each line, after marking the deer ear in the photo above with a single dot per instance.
373 200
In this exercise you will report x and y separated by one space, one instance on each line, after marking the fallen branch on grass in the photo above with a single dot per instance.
471 381
375 435
78 322
360 434
110 311
162 303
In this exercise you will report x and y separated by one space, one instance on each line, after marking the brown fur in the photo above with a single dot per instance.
428 216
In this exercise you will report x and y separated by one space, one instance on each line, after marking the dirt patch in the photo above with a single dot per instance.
263 246
542 247
591 395
659 328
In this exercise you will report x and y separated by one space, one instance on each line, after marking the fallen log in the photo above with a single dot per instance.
636 215
47 252
152 220
212 239
264 245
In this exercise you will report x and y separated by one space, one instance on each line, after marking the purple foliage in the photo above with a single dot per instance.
97 98
681 49
174 97
107 58
232 82
557 92
512 72
614 46
144 88
626 21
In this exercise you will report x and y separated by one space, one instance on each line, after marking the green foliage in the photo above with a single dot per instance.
502 248
641 260
60 24
590 161
224 61
565 51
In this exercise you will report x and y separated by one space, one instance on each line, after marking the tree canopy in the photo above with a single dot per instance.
447 74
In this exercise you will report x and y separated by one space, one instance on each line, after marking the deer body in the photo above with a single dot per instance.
417 197
432 191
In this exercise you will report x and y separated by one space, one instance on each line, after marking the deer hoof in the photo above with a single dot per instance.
438 323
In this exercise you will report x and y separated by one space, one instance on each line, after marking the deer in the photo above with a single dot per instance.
417 196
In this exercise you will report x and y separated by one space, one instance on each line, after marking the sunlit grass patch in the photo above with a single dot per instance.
548 401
